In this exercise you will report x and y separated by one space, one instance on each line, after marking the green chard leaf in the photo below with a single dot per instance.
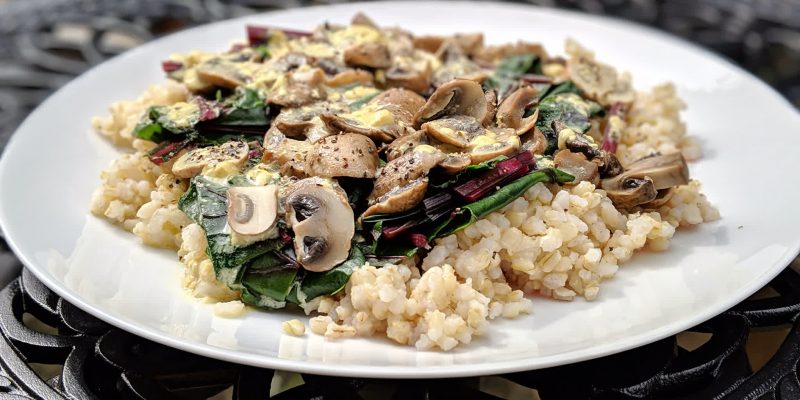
568 108
157 125
267 281
468 214
206 204
509 71
247 107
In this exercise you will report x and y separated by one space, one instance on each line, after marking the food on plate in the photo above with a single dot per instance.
409 186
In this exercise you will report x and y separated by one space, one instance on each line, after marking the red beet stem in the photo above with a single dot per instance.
419 240
171 65
479 187
610 141
167 151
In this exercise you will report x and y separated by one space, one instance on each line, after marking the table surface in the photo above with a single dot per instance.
51 349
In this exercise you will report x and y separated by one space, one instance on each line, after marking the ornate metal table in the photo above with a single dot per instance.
51 349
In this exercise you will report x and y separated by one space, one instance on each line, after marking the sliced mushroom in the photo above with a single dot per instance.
455 162
662 198
493 54
323 223
252 210
350 77
404 144
490 148
408 78
534 141
348 154
458 130
577 165
594 79
457 97
296 122
197 160
630 192
469 43
220 73
368 54
666 171
399 199
402 171
383 119
362 19
511 112
299 89
290 154
491 107
641 181
402 103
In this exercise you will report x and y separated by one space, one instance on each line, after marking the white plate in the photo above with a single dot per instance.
52 164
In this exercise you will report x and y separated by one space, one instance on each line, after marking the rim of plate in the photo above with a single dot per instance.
404 372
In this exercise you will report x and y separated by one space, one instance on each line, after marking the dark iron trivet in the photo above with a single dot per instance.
100 361
50 349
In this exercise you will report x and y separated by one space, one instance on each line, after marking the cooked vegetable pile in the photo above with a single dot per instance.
311 152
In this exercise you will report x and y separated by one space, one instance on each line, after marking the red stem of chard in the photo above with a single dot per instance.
610 138
419 240
171 65
479 187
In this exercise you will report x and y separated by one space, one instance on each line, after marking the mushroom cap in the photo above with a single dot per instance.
404 144
400 199
491 107
348 154
323 223
457 130
640 182
457 97
665 171
402 103
534 141
594 79
416 80
578 166
368 54
403 170
195 161
455 162
630 192
252 210
511 111
220 73
502 145
350 77
337 124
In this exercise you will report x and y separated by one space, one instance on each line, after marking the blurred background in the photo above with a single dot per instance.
751 352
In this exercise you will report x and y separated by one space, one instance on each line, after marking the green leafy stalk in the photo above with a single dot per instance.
568 108
468 214
508 72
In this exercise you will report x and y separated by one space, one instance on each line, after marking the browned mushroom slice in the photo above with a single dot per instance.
323 223
490 148
348 154
402 103
415 80
491 107
534 141
220 73
493 54
362 19
598 81
198 160
400 171
457 97
338 124
663 197
469 43
290 154
399 199
510 113
577 165
368 54
666 171
455 162
350 77
458 130
640 182
629 192
296 94
404 144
